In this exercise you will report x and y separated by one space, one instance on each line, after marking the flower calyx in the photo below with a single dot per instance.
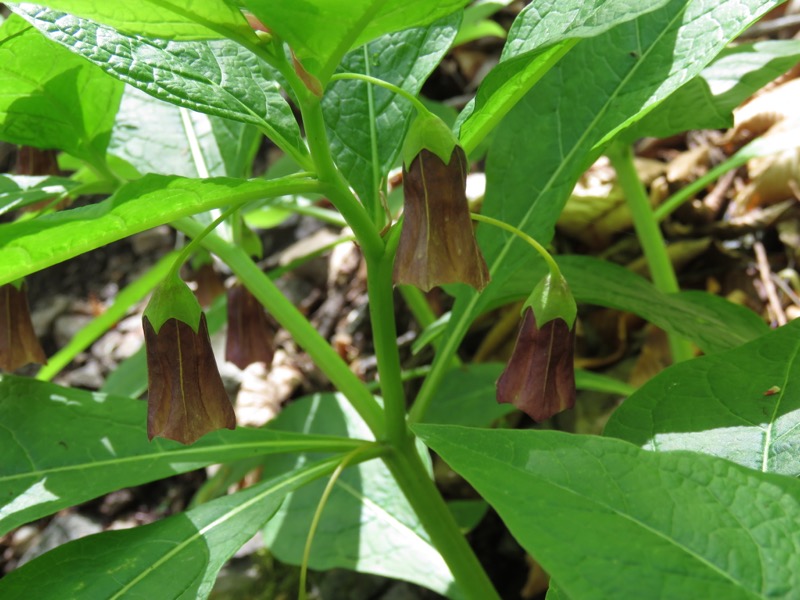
19 345
437 243
540 376
186 397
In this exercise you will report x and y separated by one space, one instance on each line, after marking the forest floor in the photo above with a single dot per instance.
739 239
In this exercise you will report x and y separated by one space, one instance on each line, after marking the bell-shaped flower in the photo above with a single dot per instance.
437 243
540 376
186 397
250 337
19 345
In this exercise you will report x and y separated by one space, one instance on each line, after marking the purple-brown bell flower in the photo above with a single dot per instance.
186 397
250 337
437 244
19 345
540 376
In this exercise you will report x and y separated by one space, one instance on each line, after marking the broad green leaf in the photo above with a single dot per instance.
554 592
711 322
537 38
157 137
476 23
178 557
468 394
321 31
17 191
708 100
367 524
29 246
64 446
51 98
218 77
551 136
742 405
172 20
366 123
609 520
467 397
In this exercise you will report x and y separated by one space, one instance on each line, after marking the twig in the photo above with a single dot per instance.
765 272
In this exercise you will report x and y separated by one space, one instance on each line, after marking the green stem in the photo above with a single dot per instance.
384 339
334 185
418 305
438 521
421 108
326 358
649 234
551 263
187 250
762 146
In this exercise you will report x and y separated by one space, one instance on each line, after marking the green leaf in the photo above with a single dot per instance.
609 520
537 38
51 98
17 191
741 405
467 397
218 78
29 246
178 557
174 20
157 137
708 100
321 31
366 123
366 505
711 322
64 446
468 394
476 23
530 177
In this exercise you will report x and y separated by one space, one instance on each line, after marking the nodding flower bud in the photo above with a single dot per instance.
186 397
437 244
250 336
19 345
540 376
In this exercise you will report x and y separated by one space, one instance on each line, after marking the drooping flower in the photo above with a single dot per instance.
19 345
437 243
186 397
540 376
250 336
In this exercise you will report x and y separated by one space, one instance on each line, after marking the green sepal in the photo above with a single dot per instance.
18 283
251 243
550 300
172 299
429 132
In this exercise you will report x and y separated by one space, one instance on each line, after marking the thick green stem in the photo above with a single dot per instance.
384 338
334 185
649 234
438 521
326 358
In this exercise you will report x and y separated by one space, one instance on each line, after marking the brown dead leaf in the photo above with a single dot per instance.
764 111
596 210
773 178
